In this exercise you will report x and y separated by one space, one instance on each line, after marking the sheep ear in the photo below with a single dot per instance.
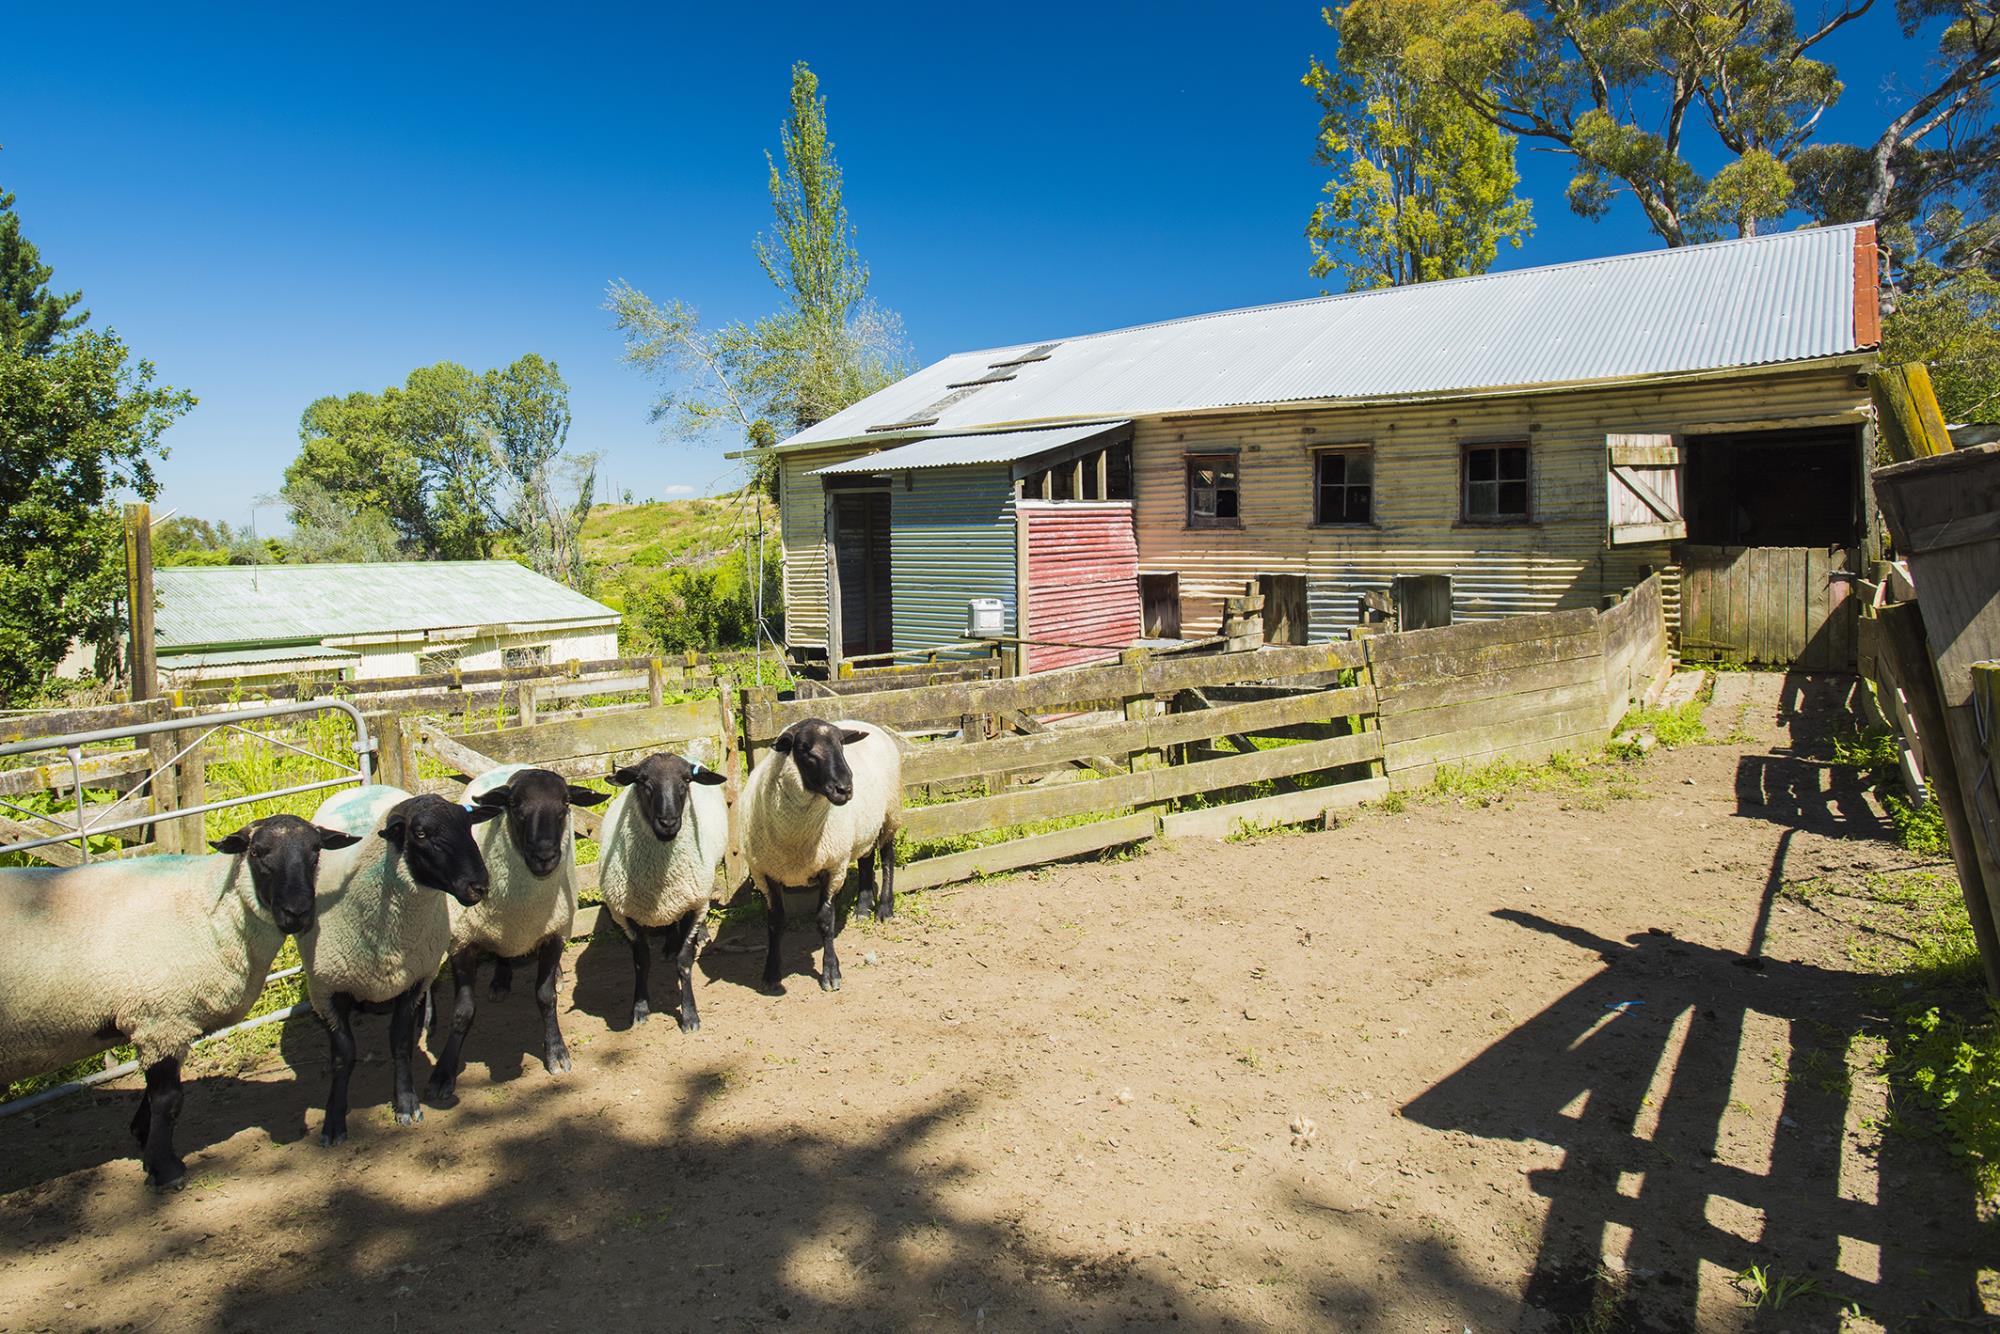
625 777
708 776
783 745
335 838
500 797
393 828
583 796
481 814
852 738
232 844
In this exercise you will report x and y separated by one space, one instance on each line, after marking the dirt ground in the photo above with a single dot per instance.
1565 1063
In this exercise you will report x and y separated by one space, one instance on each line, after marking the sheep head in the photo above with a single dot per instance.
283 855
659 786
434 838
536 803
820 751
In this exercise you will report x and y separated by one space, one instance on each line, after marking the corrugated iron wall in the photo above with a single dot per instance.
802 526
1083 580
951 539
1559 561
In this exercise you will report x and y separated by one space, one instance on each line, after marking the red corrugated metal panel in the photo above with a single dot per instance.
1083 581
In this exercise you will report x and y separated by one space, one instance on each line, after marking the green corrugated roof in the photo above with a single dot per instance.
254 606
232 657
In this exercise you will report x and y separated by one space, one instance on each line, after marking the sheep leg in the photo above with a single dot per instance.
341 1030
864 903
829 968
642 976
443 1090
774 933
503 980
885 902
162 1103
402 1048
548 967
694 931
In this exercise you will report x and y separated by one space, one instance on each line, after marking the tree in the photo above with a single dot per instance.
1623 86
353 462
527 414
1422 187
439 416
827 346
1953 323
31 316
82 424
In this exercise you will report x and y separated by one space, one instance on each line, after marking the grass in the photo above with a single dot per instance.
1919 826
1763 1289
661 532
1677 725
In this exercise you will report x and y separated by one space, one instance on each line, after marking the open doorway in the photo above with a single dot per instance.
858 535
1793 488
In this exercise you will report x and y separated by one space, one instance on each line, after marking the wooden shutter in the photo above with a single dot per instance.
1643 481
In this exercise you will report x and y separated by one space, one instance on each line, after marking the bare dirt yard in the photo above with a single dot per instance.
1573 1060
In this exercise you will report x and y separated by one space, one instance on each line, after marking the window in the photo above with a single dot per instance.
1103 474
1211 487
1343 486
525 655
440 660
1496 483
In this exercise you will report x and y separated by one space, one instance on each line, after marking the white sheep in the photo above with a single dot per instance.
827 794
154 950
383 927
529 907
663 838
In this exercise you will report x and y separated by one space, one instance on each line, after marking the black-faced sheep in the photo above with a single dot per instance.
663 838
529 907
383 927
156 951
827 794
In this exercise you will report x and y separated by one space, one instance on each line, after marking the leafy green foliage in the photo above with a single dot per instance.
1951 321
1918 828
827 346
699 606
1422 187
1951 1064
82 422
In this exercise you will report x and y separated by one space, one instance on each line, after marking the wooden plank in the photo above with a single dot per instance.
1312 803
55 854
1396 675
1058 745
995 858
61 722
454 752
1468 743
1526 752
1507 680
1147 785
97 769
601 734
1475 714
1643 451
1473 635
597 685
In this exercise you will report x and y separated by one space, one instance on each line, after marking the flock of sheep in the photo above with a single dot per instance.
380 886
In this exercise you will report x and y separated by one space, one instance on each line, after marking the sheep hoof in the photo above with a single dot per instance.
411 1117
829 982
640 1014
441 1097
690 1023
773 987
557 1063
172 1178
332 1139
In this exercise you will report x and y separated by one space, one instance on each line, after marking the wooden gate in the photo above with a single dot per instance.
1771 606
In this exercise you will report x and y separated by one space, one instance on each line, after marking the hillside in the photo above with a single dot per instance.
660 533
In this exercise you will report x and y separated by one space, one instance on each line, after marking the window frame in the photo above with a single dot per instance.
1219 459
1319 453
1466 449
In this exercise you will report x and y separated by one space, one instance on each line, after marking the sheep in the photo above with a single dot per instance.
808 813
528 908
157 951
383 926
663 837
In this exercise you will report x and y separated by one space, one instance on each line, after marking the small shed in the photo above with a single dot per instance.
394 618
1541 438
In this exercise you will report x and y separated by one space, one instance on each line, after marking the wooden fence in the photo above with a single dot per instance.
1781 606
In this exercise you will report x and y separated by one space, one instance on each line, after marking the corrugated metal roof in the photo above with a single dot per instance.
1764 299
234 657
947 451
260 605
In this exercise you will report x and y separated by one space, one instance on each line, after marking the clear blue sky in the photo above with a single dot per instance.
280 202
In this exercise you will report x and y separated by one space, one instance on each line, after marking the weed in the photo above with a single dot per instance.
1952 1067
1393 803
1761 1288
1676 725
1918 828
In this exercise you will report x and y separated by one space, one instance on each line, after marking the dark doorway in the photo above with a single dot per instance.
860 539
1774 488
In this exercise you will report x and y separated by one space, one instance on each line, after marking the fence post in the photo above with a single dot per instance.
1364 675
656 683
524 697
139 601
735 869
392 753
1139 708
164 789
191 787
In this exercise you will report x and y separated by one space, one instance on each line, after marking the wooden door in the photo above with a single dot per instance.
860 539
1768 606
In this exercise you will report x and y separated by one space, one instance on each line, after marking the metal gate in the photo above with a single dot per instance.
1768 606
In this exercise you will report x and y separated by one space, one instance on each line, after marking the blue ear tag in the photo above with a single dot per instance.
694 766
469 809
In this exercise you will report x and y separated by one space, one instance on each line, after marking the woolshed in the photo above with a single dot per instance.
1543 437
398 618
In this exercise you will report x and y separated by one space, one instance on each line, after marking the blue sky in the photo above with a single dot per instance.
280 202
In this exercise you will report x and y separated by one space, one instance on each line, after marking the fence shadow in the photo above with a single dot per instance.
1631 1073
